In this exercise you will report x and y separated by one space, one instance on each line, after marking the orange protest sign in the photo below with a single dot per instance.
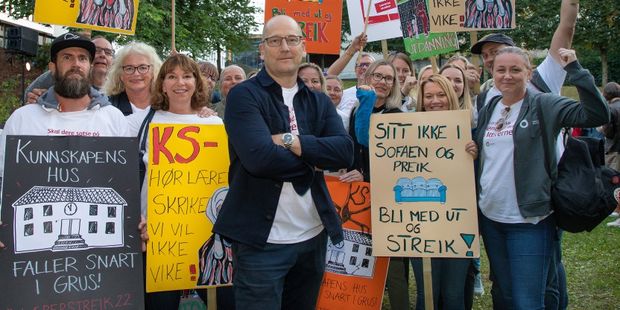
110 15
320 21
354 279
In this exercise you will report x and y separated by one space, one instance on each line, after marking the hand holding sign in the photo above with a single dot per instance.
472 149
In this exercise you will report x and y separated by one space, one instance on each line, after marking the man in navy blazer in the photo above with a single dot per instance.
278 212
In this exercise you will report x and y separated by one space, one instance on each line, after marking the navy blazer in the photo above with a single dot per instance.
255 111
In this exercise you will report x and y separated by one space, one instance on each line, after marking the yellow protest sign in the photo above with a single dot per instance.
187 179
103 15
423 193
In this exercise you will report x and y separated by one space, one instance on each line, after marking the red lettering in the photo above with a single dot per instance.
195 146
160 145
321 32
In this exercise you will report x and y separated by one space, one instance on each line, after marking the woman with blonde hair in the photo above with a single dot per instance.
437 93
456 75
131 76
312 75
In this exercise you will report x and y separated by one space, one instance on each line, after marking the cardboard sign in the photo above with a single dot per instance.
354 279
117 16
70 224
187 179
470 15
419 42
423 193
383 19
320 21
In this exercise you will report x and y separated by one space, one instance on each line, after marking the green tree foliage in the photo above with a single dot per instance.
9 101
201 26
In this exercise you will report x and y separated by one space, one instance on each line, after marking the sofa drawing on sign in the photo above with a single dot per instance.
419 189
353 256
68 219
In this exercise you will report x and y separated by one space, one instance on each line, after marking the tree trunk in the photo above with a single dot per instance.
604 66
218 50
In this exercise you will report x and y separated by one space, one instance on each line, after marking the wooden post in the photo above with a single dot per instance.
384 49
359 55
433 60
475 60
211 298
427 271
173 48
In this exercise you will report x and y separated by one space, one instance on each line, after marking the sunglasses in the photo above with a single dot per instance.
501 122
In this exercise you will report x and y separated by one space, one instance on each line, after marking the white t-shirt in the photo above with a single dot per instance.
296 219
135 109
35 120
554 75
498 196
163 117
346 105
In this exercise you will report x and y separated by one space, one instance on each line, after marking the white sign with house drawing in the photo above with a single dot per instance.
68 219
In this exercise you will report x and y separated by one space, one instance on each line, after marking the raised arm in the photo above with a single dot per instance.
342 61
563 35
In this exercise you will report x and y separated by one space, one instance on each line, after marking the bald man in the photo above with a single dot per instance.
278 213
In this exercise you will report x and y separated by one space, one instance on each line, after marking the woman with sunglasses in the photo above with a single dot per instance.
513 182
130 79
437 93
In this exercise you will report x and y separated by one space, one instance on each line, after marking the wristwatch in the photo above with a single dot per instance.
288 139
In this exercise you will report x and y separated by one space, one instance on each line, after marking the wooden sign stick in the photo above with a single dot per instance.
359 55
475 60
427 271
173 48
384 48
433 60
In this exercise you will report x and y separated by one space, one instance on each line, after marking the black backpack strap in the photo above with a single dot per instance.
142 135
480 99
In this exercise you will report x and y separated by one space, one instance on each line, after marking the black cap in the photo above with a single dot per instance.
491 38
71 40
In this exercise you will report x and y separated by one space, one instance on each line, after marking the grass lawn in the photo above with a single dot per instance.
592 270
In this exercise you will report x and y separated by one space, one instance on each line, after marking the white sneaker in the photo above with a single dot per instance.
614 214
615 223
478 287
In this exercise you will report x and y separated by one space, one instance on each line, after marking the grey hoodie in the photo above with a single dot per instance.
48 99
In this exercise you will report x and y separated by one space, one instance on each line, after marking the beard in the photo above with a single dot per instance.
72 87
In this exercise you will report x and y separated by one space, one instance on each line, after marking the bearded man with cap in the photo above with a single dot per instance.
72 106
104 56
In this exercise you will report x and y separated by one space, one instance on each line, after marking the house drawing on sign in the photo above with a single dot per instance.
353 256
419 189
68 219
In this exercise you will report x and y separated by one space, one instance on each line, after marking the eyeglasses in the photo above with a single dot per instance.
363 65
501 122
377 77
107 51
142 69
276 41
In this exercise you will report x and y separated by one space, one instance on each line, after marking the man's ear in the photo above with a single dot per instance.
52 67
261 49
